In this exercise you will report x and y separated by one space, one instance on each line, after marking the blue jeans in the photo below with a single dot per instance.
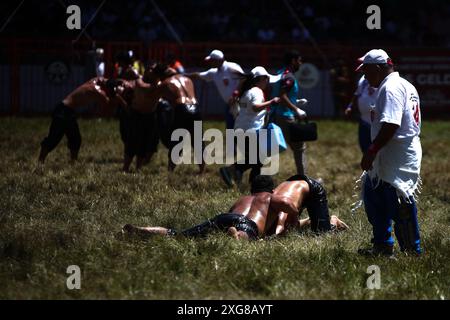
364 135
383 205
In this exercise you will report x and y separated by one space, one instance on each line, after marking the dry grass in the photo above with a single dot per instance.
69 214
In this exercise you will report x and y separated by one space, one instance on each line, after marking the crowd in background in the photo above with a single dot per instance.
266 21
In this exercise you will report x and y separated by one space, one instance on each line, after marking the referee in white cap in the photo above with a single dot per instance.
393 159
226 77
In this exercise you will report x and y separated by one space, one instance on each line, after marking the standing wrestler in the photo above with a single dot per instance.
142 135
99 91
124 70
178 91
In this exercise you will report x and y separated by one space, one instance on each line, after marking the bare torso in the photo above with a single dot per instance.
86 94
296 192
145 98
255 208
178 89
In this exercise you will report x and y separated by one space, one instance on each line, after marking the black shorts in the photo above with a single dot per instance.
64 123
184 117
316 203
142 135
221 222
165 118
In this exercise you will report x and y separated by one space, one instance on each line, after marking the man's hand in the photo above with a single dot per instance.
275 100
385 134
348 111
369 157
300 114
367 160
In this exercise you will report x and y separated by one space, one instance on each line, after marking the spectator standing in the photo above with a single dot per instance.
251 118
286 113
364 101
226 77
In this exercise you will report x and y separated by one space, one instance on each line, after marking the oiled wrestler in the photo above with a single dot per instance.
304 192
178 91
246 219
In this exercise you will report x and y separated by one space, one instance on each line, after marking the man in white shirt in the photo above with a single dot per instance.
100 63
393 159
227 78
363 100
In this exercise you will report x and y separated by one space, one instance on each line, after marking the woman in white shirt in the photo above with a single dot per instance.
253 109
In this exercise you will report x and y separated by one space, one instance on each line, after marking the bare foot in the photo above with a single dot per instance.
340 225
233 232
304 223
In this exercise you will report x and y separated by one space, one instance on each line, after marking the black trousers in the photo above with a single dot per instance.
316 204
221 222
142 134
247 165
184 117
164 112
64 123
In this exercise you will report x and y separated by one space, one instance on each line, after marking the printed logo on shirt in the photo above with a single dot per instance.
415 107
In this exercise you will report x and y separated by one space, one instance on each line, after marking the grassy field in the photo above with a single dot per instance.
69 215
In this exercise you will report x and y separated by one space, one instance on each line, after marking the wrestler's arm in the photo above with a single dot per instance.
118 100
280 228
287 212
102 99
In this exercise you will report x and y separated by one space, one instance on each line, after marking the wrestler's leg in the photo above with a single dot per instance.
144 231
55 134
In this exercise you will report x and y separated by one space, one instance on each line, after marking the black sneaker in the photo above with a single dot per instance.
378 250
226 176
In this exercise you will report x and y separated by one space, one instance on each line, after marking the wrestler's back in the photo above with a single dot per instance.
145 100
84 95
295 190
255 208
181 90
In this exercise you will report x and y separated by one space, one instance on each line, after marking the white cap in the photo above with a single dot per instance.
375 56
215 55
261 71
100 51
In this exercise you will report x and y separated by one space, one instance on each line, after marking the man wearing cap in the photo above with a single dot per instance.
226 77
393 159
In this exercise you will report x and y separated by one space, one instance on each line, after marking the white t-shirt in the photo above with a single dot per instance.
224 78
397 103
366 99
399 161
100 69
248 118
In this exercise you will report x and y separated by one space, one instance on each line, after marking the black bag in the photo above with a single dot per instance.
303 131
